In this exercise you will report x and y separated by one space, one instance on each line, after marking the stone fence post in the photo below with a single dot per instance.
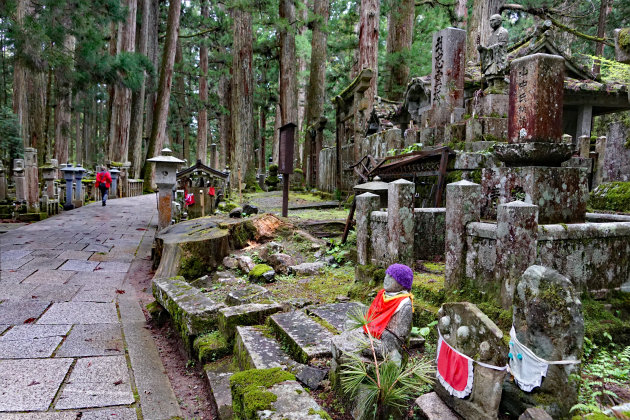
463 205
584 146
517 235
600 149
366 204
401 221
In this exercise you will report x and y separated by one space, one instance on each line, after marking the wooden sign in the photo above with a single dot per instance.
286 148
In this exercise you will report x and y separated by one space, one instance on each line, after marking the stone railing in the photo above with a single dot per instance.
493 256
400 234
134 187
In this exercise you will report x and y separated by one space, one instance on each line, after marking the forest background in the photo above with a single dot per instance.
96 81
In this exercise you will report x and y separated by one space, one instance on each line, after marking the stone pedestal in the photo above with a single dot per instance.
366 204
560 193
493 104
20 180
78 191
622 52
32 179
447 75
553 332
599 173
113 190
68 176
463 205
584 146
49 173
517 233
400 221
214 157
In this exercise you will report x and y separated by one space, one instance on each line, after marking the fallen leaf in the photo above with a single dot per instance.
33 383
120 292
118 382
29 321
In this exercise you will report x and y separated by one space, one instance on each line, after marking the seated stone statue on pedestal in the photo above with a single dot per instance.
494 63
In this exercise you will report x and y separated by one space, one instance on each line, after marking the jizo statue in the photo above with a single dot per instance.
494 63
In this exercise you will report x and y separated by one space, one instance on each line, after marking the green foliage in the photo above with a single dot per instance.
385 387
613 196
10 142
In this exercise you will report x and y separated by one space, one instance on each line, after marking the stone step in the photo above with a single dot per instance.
248 314
292 403
255 350
192 312
431 407
218 376
336 314
305 338
247 294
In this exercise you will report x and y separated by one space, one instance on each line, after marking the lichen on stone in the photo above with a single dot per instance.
249 390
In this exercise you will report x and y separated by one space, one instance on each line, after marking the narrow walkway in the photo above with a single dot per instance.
72 337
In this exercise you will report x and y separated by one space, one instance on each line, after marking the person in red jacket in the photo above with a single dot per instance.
103 182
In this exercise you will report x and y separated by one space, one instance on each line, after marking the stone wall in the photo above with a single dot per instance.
617 155
429 233
593 256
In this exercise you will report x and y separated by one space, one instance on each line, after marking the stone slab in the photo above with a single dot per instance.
93 340
46 253
33 331
111 414
79 265
93 247
113 267
218 376
254 350
30 384
14 254
306 338
80 313
431 407
43 263
336 314
15 276
97 382
28 349
75 255
77 246
248 294
17 312
248 314
55 293
14 264
98 278
293 403
16 291
48 277
112 256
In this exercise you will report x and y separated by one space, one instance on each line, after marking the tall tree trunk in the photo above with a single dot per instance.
182 114
479 29
368 45
316 92
20 99
63 113
202 123
242 109
225 121
153 52
288 69
78 142
604 9
121 111
301 75
137 100
461 13
47 143
276 134
399 38
160 113
262 163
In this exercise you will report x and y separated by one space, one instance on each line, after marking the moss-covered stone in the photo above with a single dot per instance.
624 39
211 347
258 272
192 268
249 390
613 196
607 320
157 312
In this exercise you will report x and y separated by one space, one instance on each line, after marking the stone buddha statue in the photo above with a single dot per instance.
494 63
390 314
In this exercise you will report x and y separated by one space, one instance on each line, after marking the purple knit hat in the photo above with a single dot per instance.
402 274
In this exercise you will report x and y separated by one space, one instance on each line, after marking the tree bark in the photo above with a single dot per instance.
137 101
604 9
316 92
276 134
288 69
242 109
153 52
368 45
301 60
461 13
121 111
160 113
262 163
399 38
202 118
225 121
479 29
78 134
182 129
20 104
63 114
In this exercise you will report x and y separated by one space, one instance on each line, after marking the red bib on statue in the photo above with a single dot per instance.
454 370
381 311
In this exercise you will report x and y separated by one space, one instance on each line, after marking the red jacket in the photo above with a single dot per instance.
105 178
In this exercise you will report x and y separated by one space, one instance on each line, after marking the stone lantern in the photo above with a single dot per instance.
49 173
166 179
68 175
79 171
113 191
20 180
375 186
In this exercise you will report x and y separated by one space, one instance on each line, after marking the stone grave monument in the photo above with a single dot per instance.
546 344
3 183
32 179
19 180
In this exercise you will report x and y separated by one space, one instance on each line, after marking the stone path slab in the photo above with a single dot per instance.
30 384
254 350
62 315
336 314
97 382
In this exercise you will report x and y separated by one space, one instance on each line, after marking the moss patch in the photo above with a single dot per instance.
624 39
249 390
258 271
157 312
602 320
613 196
211 347
192 268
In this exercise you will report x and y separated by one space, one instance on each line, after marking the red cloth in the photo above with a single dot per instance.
189 199
380 312
454 370
105 178
211 191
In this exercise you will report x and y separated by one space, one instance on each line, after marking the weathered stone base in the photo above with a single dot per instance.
249 314
560 193
486 129
305 338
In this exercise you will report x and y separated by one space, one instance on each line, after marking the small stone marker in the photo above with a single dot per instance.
431 407
447 74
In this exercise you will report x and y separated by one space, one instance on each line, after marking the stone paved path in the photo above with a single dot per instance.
72 337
